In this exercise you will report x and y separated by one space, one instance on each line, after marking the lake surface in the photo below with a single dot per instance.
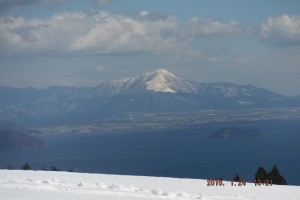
186 152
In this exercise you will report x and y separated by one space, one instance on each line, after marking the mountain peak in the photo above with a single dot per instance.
161 81
162 72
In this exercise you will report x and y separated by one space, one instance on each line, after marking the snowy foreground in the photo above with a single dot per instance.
41 185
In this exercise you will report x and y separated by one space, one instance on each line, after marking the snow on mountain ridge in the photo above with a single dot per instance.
159 80
162 81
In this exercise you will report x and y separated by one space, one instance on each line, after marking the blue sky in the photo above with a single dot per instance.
83 43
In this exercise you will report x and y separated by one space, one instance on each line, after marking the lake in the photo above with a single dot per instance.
184 153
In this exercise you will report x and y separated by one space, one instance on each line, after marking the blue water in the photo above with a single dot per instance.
186 152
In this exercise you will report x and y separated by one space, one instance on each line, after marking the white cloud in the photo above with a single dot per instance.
283 30
110 33
144 13
100 32
26 36
105 33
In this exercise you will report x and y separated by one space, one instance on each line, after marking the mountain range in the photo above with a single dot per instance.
158 91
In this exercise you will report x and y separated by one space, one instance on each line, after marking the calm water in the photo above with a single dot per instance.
186 152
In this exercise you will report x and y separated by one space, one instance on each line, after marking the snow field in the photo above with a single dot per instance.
42 185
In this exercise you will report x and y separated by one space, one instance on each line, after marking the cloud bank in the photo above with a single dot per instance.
105 33
283 30
100 32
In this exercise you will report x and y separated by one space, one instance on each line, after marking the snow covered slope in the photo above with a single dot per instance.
159 80
163 81
41 185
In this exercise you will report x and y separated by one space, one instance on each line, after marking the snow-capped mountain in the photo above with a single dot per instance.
157 91
163 81
158 81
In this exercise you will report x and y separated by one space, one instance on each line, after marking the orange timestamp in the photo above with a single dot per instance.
242 182
219 182
267 182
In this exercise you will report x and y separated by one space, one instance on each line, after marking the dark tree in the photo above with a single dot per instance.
261 174
236 178
26 167
53 168
276 177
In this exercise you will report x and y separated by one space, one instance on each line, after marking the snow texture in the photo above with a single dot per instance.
42 185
